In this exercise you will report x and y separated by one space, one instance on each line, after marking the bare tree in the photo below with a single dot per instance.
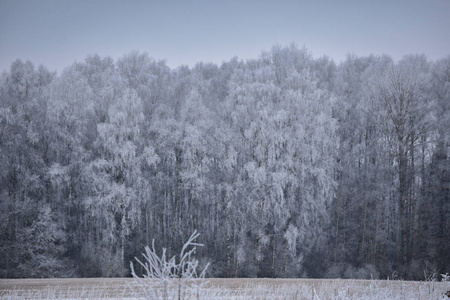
402 92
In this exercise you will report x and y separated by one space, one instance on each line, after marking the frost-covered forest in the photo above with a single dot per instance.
287 165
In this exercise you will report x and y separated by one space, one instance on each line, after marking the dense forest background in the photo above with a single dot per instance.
287 165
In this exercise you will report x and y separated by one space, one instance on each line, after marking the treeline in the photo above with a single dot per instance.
287 165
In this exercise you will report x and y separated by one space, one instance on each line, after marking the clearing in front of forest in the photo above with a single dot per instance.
228 288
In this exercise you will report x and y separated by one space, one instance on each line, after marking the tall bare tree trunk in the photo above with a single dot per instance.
336 235
402 202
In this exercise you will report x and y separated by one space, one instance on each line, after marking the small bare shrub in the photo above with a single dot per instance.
166 278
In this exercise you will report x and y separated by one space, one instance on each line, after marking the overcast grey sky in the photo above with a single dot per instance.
57 33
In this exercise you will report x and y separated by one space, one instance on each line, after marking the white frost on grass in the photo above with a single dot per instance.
255 289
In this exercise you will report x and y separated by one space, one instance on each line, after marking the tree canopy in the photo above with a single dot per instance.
288 165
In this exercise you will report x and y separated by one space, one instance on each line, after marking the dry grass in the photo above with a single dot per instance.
242 288
78 288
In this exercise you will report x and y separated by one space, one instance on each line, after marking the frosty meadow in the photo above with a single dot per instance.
229 289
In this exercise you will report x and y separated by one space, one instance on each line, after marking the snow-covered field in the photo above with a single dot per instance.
242 288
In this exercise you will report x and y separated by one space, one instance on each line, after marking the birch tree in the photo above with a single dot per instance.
402 92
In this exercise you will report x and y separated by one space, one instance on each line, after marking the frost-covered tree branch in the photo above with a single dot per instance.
171 278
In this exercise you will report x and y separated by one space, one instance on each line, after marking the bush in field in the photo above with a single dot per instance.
367 271
169 278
